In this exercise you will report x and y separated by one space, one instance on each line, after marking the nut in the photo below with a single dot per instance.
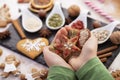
73 10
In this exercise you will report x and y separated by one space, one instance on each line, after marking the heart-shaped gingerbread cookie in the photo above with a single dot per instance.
32 48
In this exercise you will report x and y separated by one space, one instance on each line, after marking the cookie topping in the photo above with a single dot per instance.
33 45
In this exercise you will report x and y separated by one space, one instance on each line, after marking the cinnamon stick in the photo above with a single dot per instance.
103 59
18 28
107 50
105 55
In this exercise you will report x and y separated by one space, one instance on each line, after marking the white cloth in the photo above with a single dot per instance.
29 77
9 67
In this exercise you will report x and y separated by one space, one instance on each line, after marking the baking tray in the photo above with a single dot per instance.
11 41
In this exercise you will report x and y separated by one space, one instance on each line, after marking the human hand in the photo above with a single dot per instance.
88 52
53 59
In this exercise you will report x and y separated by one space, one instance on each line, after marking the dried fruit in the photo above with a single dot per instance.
67 48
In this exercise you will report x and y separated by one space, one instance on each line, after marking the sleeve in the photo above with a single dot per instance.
93 70
60 73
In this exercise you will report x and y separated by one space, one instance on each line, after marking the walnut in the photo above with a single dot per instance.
115 37
4 35
45 32
74 10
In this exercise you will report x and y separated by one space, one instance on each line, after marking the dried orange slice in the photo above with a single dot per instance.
37 10
41 3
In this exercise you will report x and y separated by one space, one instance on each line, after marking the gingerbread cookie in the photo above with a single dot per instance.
116 74
71 44
32 48
10 66
4 16
35 75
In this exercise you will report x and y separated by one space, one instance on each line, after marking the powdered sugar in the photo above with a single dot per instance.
33 45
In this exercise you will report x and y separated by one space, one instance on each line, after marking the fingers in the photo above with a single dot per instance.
90 47
62 32
53 59
48 56
91 40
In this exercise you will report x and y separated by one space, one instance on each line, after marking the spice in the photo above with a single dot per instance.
45 32
101 35
32 24
55 20
4 34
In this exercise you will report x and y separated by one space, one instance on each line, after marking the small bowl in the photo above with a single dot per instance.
27 22
56 10
108 28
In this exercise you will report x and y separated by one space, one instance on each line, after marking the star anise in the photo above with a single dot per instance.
45 32
4 35
67 47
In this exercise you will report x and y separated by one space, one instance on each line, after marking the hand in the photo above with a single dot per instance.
88 52
53 59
